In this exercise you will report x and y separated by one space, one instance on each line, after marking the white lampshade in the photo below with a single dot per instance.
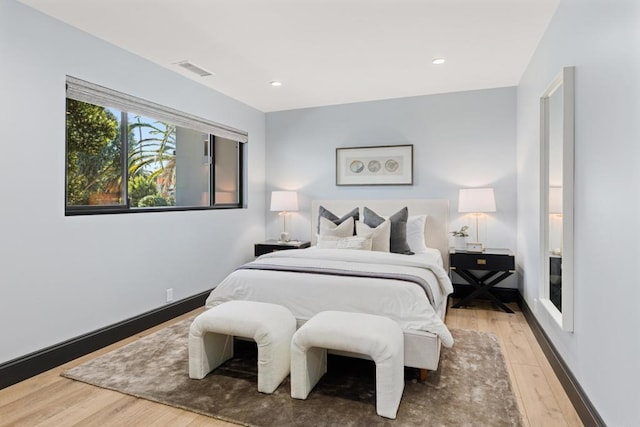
476 200
555 200
284 201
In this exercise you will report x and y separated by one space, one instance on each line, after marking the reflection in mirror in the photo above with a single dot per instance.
554 162
556 137
555 236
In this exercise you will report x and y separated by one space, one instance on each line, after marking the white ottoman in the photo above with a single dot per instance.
378 337
270 325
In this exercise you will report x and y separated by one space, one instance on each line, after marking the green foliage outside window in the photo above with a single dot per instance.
152 153
139 187
93 152
153 200
94 161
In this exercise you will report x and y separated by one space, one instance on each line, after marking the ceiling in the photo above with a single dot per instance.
324 52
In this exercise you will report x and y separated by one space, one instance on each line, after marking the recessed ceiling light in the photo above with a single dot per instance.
275 83
437 61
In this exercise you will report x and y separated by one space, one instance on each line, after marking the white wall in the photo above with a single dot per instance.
601 39
464 139
61 277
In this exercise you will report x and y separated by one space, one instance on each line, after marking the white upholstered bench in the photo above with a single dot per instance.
271 326
378 337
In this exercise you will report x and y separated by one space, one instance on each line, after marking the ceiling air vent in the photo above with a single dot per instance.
194 68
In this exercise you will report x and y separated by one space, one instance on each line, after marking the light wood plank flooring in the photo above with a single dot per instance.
50 400
541 398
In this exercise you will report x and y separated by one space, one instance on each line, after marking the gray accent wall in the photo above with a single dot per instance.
602 40
463 139
61 277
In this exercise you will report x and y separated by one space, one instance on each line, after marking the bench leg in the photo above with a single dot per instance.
273 359
423 375
307 367
390 384
207 352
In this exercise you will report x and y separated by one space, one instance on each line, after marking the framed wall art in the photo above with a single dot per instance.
381 165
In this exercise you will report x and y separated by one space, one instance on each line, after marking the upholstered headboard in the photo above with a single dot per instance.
437 211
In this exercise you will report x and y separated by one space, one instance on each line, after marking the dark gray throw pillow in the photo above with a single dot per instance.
322 212
398 243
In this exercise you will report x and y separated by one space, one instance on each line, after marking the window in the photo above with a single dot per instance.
125 154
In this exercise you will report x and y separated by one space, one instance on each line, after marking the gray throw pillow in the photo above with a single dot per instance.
325 213
398 243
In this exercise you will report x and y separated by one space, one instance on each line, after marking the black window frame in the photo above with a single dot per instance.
214 129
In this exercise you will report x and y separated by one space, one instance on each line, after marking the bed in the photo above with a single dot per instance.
410 289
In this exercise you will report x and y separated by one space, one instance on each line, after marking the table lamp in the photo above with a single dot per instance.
284 201
555 212
476 201
555 201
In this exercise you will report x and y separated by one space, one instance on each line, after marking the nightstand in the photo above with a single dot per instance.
495 265
274 245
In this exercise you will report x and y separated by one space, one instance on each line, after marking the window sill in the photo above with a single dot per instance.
108 210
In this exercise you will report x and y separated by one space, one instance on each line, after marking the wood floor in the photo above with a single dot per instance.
541 398
50 400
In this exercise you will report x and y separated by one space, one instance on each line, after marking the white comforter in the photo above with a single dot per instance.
307 294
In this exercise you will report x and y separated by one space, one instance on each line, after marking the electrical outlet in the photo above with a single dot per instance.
169 294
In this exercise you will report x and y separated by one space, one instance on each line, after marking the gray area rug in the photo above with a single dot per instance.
470 388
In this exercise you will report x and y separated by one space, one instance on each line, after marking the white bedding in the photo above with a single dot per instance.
307 294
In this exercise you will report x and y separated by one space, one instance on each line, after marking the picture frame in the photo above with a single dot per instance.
375 165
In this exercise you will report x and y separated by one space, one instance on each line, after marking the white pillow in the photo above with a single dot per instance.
380 235
328 228
415 233
351 242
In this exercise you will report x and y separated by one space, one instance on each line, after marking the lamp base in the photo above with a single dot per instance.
284 237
